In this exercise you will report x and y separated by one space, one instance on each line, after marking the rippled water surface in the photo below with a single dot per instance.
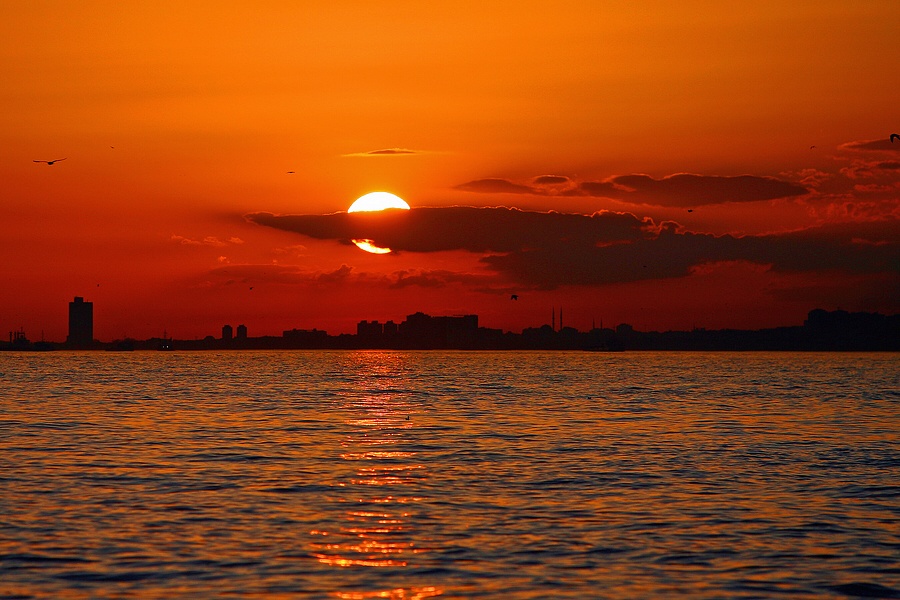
455 474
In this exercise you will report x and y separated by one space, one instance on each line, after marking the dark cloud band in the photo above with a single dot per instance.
553 249
682 189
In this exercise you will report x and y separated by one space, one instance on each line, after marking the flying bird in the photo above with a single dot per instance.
514 297
895 135
50 162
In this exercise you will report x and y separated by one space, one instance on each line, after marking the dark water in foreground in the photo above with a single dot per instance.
410 475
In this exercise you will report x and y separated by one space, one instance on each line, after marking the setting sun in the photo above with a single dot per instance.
375 201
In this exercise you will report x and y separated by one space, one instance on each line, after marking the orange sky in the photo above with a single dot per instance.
178 120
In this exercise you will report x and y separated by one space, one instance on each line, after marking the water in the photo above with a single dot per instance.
409 475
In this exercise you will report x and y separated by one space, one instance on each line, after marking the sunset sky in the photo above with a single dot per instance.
665 164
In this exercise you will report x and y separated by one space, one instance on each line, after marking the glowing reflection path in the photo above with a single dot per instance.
380 486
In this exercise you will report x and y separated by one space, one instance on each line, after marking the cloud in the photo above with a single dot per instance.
681 190
207 241
338 275
687 189
257 274
496 229
860 190
879 145
434 279
551 180
279 274
496 186
386 152
869 248
548 250
292 250
871 292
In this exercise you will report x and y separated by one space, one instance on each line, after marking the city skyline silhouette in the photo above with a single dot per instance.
822 330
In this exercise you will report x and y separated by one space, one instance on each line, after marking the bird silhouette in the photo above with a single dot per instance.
50 162
895 135
514 297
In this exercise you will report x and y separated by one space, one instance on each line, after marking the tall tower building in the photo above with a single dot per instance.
81 322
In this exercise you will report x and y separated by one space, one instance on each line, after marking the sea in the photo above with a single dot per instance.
408 475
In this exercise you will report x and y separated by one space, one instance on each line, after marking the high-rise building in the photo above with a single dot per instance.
242 332
81 322
369 329
227 332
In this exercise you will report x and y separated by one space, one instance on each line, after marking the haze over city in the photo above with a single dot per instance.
665 165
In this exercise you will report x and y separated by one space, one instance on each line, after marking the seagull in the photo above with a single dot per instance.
514 297
690 210
895 135
50 162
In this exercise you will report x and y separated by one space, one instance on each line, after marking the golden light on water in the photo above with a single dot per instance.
415 593
378 528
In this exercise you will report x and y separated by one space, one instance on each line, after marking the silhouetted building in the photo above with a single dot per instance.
424 331
842 330
227 333
18 338
369 328
81 322
241 332
305 338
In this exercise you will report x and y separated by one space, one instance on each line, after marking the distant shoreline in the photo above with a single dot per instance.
823 331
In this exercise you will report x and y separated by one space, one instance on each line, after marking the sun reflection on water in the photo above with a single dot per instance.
398 594
381 488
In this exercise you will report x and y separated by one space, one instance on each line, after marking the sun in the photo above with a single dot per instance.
375 201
